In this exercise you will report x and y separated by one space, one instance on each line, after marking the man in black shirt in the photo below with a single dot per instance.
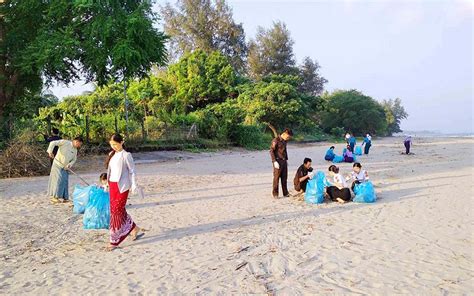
279 158
54 137
302 176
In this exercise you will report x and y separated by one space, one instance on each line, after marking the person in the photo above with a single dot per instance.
104 184
347 137
338 190
58 185
358 175
279 158
55 136
407 143
367 143
348 155
352 143
303 175
330 154
121 179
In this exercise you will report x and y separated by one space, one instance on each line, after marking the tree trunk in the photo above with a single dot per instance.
87 129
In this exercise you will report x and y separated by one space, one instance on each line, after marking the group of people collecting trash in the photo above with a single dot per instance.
333 187
109 205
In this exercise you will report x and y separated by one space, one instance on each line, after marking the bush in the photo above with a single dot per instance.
250 137
337 131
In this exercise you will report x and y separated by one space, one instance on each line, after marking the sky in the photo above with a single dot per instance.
418 51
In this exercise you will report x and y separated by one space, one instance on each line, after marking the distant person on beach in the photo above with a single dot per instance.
121 177
358 175
54 137
348 155
303 175
352 143
338 190
58 186
367 143
407 143
279 158
330 154
347 137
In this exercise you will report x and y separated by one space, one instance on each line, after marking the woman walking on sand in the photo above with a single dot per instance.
121 178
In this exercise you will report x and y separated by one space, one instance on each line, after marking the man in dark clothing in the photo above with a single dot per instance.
54 137
302 176
279 157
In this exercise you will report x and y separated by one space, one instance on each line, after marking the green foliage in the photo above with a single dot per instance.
353 111
203 25
394 112
251 136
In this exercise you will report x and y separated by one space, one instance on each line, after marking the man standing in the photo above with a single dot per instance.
407 143
54 137
58 186
303 174
279 157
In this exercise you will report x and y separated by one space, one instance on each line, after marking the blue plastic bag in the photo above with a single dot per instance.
315 189
364 192
338 159
80 198
358 150
97 214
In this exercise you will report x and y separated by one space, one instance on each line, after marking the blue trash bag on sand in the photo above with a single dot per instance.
358 150
97 214
338 159
80 198
315 189
365 192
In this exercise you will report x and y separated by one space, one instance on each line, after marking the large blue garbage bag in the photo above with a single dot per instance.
315 189
97 214
338 159
358 150
364 192
80 198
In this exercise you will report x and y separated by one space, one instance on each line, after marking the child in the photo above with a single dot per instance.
358 175
348 156
338 190
104 184
330 154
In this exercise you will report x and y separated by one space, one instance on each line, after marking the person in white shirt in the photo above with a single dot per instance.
121 177
338 190
358 175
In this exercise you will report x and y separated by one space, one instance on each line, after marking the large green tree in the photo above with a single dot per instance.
354 112
312 83
60 40
271 52
206 25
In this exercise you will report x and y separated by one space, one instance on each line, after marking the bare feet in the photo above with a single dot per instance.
136 233
110 248
340 200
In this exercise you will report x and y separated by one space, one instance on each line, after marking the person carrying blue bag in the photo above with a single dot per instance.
97 211
303 175
361 185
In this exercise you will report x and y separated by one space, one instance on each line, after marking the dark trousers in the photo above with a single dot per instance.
335 193
301 186
366 148
282 174
407 147
352 147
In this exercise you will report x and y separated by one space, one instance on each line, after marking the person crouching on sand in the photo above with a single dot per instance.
122 179
358 175
338 190
330 154
302 176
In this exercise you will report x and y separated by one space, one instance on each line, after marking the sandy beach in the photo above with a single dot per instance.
213 228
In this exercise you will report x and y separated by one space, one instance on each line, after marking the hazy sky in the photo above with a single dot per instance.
419 51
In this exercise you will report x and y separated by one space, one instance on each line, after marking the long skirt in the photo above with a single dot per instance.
121 224
58 185
335 193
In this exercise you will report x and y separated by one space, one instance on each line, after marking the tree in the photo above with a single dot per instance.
64 40
205 25
353 111
200 79
271 52
312 83
394 114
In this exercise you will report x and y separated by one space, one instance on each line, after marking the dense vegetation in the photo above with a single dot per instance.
216 88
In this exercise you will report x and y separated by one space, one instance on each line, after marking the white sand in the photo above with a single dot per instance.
417 239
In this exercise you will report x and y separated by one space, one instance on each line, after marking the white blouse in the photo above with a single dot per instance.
115 166
361 177
338 178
